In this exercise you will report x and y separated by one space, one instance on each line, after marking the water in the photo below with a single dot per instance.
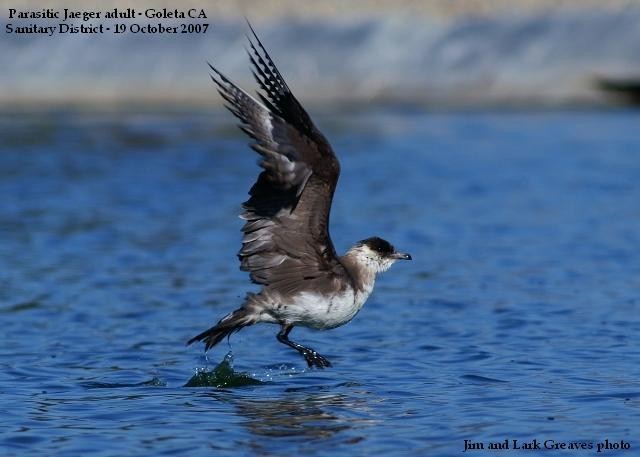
517 319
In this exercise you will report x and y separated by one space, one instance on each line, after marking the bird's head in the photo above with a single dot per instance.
376 254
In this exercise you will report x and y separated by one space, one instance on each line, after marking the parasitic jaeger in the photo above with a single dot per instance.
286 247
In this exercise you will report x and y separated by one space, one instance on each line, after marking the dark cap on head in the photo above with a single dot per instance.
378 245
384 248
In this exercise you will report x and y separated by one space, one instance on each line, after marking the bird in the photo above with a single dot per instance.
286 246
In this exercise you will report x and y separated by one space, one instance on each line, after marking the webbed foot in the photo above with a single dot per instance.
314 359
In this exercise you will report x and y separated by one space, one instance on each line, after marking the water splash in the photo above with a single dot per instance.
277 371
223 375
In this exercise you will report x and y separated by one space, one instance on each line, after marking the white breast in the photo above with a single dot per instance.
324 312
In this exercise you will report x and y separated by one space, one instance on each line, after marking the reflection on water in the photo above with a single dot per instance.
298 412
302 415
308 417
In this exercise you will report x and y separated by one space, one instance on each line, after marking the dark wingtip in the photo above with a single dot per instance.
213 78
255 35
213 68
251 28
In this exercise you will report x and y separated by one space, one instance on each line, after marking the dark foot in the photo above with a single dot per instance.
314 359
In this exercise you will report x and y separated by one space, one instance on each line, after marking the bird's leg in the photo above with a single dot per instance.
312 357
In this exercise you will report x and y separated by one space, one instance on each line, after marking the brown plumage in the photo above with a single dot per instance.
286 247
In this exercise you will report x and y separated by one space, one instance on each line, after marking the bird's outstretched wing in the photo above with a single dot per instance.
286 242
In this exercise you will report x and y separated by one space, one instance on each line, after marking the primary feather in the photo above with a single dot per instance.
286 240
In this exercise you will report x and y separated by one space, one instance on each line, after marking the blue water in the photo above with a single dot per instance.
517 319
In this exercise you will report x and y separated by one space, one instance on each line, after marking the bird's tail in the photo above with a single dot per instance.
229 324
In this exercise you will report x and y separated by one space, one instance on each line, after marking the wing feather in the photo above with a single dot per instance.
286 235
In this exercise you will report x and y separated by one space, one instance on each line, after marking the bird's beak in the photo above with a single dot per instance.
401 256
